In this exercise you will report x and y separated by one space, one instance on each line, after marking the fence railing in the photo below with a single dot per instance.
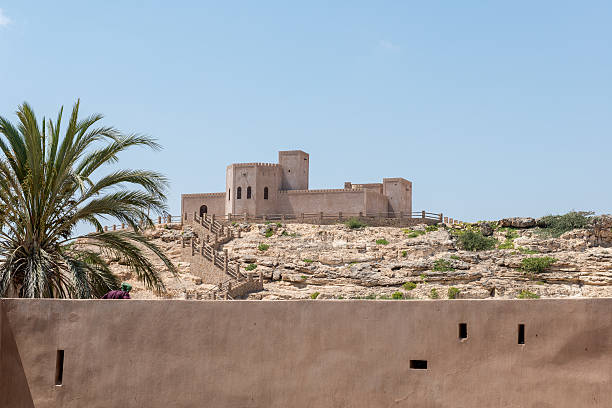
162 220
322 216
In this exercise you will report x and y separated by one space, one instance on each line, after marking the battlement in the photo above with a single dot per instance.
236 165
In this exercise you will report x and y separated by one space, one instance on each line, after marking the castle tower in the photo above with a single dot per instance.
294 164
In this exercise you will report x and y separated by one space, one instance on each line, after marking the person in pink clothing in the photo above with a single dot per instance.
124 293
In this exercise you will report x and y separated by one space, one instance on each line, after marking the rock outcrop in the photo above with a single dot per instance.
302 261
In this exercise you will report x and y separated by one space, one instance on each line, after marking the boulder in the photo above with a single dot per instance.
486 229
518 222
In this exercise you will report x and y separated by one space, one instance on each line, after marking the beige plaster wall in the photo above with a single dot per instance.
316 353
295 166
314 201
215 203
399 194
14 391
375 203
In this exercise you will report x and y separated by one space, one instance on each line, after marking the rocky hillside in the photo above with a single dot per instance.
301 261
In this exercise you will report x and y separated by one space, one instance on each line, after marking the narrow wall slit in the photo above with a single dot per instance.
59 367
521 334
418 364
463 334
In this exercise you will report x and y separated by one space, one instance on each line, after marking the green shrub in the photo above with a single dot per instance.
525 294
340 297
234 223
537 265
397 295
250 267
526 251
506 245
308 260
263 247
384 297
431 228
285 233
423 277
433 294
269 233
315 295
404 254
409 285
303 277
453 292
371 296
442 265
381 241
413 233
475 241
354 223
556 225
455 257
278 224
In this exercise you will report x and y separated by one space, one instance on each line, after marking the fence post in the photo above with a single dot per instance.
114 227
423 214
225 261
214 256
192 246
302 215
446 220
195 214
339 215
401 215
440 217
122 225
214 295
169 219
105 228
283 217
360 214
320 217
237 270
159 220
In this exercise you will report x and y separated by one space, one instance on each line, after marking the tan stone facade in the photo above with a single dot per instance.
282 189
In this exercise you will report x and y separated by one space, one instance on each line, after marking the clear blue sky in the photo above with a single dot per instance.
491 109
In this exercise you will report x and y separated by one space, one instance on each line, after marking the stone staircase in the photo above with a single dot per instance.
212 264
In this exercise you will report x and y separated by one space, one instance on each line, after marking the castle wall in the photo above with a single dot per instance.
215 203
399 194
165 353
327 201
267 176
295 167
376 203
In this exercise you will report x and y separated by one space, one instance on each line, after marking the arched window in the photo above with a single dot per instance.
203 210
238 193
265 193
248 192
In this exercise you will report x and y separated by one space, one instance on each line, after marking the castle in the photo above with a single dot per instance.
282 189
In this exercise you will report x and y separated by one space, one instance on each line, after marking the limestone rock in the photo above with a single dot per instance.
518 222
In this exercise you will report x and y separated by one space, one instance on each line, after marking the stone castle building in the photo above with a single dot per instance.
282 189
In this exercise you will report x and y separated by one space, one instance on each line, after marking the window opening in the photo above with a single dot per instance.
59 367
418 364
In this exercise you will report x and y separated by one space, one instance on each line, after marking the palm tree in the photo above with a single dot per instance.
49 184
